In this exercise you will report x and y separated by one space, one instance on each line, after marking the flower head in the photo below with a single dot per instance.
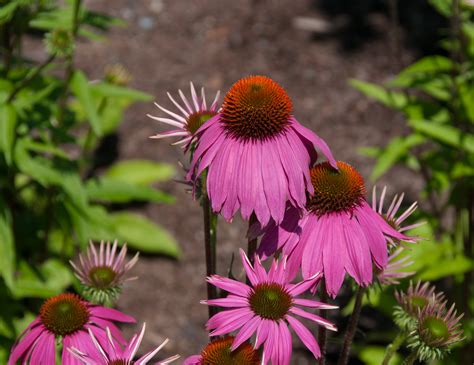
68 318
219 352
437 330
192 115
257 154
104 272
266 308
112 353
338 233
415 299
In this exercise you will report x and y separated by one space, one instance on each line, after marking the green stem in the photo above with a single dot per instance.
29 78
410 360
210 234
393 347
252 242
69 63
351 328
322 332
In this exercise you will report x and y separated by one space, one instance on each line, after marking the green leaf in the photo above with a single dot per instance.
140 172
8 121
444 7
113 91
429 64
143 235
393 152
81 88
445 134
50 279
452 266
373 355
391 99
113 190
7 247
7 11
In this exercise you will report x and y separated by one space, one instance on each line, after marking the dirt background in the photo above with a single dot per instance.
213 43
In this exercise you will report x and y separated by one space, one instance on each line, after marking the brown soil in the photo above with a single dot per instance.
213 43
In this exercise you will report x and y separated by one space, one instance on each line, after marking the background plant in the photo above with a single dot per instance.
436 96
56 190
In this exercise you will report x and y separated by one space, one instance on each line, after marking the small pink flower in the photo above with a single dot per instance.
339 233
113 353
103 273
67 318
192 115
256 152
266 308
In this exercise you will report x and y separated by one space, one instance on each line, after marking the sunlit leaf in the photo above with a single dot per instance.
140 172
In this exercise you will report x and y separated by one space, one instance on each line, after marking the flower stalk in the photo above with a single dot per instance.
393 347
410 360
210 234
351 328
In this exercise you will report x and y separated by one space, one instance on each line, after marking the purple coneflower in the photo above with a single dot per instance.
266 308
258 155
412 301
68 318
438 329
103 273
193 114
219 352
339 233
113 353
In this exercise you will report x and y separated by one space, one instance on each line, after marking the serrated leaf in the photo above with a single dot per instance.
140 172
50 279
107 189
144 235
8 120
82 90
7 246
445 134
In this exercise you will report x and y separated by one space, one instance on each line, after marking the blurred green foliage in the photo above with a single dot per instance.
436 97
52 119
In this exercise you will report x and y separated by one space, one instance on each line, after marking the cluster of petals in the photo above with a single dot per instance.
106 257
333 243
273 334
37 344
256 175
113 353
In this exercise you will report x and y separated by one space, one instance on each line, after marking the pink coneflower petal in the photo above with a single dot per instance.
265 309
66 317
338 233
258 160
190 118
93 350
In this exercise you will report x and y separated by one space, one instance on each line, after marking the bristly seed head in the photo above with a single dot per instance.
256 108
197 119
64 314
270 301
335 191
219 352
